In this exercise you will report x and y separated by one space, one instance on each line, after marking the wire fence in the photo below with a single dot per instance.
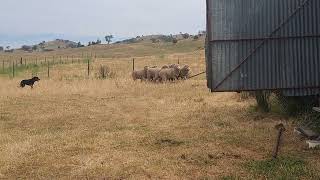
48 66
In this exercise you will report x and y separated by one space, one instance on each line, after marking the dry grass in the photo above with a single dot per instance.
74 127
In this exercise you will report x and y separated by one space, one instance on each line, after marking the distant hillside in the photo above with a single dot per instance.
162 38
48 46
56 45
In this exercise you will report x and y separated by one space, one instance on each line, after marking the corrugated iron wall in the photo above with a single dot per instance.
264 45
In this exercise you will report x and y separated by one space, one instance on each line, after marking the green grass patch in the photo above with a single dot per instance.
20 68
282 168
34 69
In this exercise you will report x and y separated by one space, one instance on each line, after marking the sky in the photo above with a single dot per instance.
84 19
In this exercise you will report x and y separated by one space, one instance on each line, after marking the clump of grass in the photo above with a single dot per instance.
105 72
168 142
282 168
263 100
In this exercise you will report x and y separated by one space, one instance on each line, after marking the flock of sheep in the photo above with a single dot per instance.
165 73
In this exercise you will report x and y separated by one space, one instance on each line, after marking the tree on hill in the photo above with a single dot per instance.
109 38
1 48
174 41
98 41
34 48
79 45
8 47
26 48
185 35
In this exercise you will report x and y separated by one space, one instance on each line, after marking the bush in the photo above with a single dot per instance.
185 35
174 41
105 72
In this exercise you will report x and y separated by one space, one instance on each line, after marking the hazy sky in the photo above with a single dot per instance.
124 18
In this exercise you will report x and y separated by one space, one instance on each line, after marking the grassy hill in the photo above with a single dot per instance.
140 49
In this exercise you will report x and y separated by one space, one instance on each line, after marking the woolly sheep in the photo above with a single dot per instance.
153 74
140 74
169 73
184 72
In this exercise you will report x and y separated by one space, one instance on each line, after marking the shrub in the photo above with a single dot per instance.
174 41
105 72
185 35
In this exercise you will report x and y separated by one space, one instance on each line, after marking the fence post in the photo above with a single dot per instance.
133 64
13 69
178 60
88 67
21 60
60 60
53 60
2 65
72 59
36 61
67 58
48 69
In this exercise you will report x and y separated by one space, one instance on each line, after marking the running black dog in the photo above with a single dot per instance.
29 82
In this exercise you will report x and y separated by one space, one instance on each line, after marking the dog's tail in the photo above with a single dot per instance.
22 84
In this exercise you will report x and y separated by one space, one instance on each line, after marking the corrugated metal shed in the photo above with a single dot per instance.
264 45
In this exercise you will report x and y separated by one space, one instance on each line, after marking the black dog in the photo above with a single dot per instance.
29 82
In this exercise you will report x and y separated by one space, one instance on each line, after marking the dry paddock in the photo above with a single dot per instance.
69 127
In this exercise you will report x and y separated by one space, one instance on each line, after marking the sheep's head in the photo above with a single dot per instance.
185 70
176 70
165 67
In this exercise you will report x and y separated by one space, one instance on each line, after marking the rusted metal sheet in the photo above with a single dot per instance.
264 45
